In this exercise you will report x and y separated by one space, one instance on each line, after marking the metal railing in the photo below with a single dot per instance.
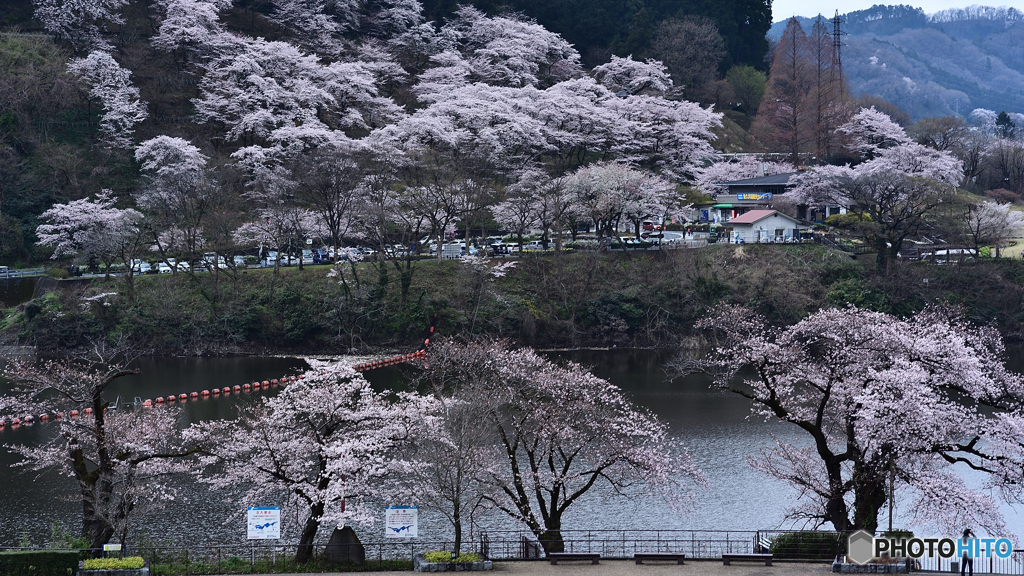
22 273
265 556
1014 564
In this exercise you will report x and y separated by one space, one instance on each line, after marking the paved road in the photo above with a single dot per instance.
629 568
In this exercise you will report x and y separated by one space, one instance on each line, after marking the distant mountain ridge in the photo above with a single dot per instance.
949 62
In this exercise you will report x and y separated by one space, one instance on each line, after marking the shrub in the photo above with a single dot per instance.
58 273
39 563
130 563
806 545
447 557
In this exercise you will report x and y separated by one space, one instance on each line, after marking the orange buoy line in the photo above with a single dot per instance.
29 419
237 389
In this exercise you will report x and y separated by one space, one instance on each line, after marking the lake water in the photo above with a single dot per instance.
715 428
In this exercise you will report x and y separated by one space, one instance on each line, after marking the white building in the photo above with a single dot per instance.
761 226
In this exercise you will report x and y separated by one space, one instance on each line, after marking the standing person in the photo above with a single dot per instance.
967 561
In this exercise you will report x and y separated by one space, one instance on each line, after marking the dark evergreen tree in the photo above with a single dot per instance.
1005 126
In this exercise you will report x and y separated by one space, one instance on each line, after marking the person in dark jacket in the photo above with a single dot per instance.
967 562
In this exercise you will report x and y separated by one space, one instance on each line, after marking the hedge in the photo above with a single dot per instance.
130 563
806 545
38 563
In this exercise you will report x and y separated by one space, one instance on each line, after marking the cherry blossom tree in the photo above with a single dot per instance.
119 459
990 223
879 398
893 193
110 85
555 209
178 192
191 28
317 23
387 215
670 136
634 77
446 465
517 213
94 228
268 86
326 443
873 131
80 22
608 192
511 50
561 432
328 182
479 271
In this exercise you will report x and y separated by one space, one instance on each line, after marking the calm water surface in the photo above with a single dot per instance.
715 427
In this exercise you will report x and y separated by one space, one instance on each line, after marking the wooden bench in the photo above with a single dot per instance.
556 556
666 556
766 558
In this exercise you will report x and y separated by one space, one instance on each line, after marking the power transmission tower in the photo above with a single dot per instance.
837 55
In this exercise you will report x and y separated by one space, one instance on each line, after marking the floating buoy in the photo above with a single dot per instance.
44 418
205 393
15 421
147 403
194 395
216 391
171 398
74 413
87 412
183 397
246 387
27 419
237 389
58 416
159 399
226 390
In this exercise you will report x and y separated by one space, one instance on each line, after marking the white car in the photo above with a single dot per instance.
163 268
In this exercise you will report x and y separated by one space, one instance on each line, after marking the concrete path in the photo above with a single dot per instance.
629 568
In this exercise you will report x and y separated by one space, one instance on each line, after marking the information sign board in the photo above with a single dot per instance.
400 521
264 523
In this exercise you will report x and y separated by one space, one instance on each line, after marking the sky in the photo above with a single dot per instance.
784 9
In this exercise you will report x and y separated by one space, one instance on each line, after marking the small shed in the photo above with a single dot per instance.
765 226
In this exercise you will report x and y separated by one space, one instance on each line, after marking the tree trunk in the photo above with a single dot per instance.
95 528
869 496
457 523
551 540
305 550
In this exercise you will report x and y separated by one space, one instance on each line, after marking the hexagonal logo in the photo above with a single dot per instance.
861 547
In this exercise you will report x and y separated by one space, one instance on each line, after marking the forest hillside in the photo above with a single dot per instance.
947 63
